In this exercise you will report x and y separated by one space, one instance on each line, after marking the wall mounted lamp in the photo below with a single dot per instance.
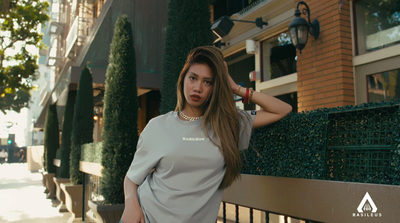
222 26
251 46
219 43
299 27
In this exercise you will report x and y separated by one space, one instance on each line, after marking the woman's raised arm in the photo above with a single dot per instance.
272 109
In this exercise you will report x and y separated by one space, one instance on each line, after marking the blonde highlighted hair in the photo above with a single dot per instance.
220 114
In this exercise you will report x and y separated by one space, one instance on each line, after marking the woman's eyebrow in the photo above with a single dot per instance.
208 78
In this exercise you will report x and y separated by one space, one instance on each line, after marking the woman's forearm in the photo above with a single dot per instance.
268 103
133 212
272 109
130 191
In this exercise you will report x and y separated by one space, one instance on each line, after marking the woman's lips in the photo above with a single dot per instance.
195 97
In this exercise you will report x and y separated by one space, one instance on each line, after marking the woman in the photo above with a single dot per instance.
185 158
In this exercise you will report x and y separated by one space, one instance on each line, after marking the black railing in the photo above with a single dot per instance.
251 218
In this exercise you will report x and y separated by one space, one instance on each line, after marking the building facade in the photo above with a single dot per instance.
80 33
354 60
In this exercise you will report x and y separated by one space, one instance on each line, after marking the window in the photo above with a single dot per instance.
278 56
377 60
377 23
384 86
279 69
230 7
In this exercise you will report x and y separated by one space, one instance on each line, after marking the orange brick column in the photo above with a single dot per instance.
324 68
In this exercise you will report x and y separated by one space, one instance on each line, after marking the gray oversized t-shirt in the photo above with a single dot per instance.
178 170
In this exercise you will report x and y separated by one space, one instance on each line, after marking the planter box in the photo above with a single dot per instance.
50 185
106 213
60 193
34 158
73 199
91 168
41 171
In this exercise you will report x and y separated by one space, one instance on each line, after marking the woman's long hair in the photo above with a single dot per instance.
220 114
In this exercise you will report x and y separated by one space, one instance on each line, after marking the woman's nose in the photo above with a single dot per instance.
198 86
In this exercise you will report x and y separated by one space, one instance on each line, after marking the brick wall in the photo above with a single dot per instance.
324 68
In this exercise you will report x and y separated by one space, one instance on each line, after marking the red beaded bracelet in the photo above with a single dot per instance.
246 98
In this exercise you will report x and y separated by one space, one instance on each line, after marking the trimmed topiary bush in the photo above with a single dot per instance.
188 27
65 150
51 138
82 131
91 152
120 133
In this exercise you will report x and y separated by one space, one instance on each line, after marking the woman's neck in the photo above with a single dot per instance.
192 112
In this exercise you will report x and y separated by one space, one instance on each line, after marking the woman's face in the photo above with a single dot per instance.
198 85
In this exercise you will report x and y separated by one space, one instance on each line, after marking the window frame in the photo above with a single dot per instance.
360 33
373 62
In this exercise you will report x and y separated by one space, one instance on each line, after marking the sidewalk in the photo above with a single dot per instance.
22 199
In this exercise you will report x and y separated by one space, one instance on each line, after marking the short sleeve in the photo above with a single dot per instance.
246 127
144 160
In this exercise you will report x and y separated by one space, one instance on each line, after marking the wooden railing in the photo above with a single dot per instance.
314 200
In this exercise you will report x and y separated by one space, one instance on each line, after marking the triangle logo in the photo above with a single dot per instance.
367 204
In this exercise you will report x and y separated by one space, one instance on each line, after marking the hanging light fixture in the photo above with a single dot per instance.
222 26
299 27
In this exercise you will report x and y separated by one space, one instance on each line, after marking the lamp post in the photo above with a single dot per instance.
299 27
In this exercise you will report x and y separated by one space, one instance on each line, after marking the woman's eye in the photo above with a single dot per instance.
208 82
192 78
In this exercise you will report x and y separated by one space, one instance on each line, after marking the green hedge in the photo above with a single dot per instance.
58 154
120 132
82 130
91 152
188 27
51 138
65 149
353 143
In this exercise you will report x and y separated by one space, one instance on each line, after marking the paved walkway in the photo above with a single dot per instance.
22 197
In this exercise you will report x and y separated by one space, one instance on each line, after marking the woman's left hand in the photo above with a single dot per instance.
272 109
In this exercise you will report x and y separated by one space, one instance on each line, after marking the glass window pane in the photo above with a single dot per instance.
279 57
234 6
378 24
383 86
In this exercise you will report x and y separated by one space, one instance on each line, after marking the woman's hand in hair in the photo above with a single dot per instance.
234 87
272 109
